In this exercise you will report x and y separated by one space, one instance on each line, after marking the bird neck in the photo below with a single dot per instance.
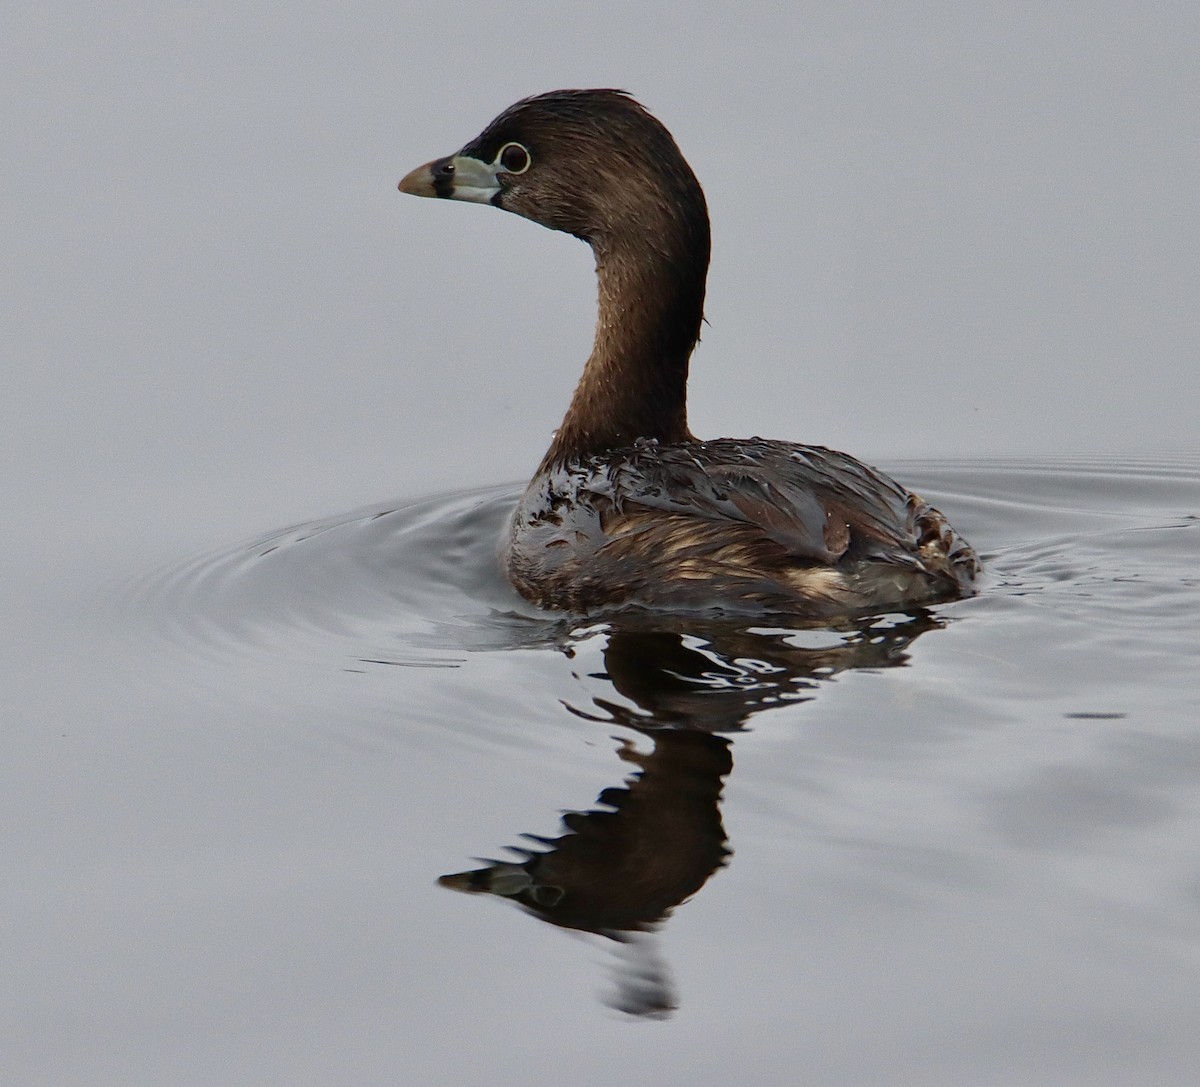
651 303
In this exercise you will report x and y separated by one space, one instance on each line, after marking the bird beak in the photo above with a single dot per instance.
456 177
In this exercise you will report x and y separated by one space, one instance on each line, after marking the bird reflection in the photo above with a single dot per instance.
620 867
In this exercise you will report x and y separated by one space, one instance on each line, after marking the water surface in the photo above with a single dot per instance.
367 817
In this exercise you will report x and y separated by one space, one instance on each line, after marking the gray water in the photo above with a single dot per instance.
955 846
245 768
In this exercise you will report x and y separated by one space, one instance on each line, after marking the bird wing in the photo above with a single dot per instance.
815 503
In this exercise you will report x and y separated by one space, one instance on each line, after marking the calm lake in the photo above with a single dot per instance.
295 792
334 805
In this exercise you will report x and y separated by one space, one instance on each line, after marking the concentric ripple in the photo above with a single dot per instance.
419 583
416 577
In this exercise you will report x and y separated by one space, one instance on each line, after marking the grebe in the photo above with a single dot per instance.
627 506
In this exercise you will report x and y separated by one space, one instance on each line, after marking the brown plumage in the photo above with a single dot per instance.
627 506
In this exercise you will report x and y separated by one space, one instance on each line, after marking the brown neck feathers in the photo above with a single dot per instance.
651 269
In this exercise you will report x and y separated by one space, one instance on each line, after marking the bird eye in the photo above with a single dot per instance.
514 158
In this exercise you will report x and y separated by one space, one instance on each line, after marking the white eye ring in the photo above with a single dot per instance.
513 158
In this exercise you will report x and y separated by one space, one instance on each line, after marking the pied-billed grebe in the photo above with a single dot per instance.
627 506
